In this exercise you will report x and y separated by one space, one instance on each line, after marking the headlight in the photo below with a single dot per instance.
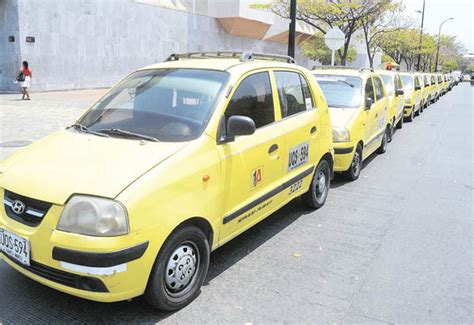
93 216
340 135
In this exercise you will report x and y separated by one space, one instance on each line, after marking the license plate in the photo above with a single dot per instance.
15 246
298 155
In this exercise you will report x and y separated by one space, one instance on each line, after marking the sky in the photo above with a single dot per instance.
438 10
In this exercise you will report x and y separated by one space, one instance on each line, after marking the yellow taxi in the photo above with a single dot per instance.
431 88
394 87
174 161
413 95
441 85
360 115
425 91
435 88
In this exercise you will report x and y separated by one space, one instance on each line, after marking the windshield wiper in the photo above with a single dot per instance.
85 129
128 134
347 83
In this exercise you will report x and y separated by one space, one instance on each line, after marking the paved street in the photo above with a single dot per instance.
396 246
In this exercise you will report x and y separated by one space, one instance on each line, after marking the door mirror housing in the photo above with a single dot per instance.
417 87
239 125
400 92
368 103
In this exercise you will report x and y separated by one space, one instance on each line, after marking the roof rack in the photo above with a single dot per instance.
329 67
242 56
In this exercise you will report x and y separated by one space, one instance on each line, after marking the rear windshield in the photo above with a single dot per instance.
388 81
168 104
341 91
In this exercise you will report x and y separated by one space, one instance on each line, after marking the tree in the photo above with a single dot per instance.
386 16
470 68
323 15
450 53
399 44
316 49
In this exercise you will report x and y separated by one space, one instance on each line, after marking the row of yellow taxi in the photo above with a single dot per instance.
182 156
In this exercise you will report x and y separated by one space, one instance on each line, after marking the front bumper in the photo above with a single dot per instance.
407 110
100 269
343 155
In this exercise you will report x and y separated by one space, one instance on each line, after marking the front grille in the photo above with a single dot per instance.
64 278
33 212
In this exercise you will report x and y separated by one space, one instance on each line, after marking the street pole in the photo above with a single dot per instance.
332 57
292 30
421 35
437 46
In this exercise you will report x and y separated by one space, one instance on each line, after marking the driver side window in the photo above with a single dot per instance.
369 89
253 98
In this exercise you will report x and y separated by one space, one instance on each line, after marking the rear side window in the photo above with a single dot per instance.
293 92
389 85
378 88
417 82
369 89
253 98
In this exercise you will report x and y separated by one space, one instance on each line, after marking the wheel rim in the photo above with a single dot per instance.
321 185
181 269
384 140
355 166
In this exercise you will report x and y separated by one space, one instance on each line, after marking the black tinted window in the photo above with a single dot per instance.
253 98
293 93
378 88
369 89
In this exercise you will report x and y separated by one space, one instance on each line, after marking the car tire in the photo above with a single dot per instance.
391 130
319 188
383 145
180 269
417 113
356 165
411 117
400 123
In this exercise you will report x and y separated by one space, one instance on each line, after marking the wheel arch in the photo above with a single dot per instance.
200 223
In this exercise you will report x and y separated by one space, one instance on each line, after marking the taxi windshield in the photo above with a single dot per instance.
169 105
388 81
341 91
407 82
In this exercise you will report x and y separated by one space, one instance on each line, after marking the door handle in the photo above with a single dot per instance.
313 130
273 148
376 115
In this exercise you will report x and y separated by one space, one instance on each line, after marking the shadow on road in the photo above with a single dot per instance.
339 180
45 304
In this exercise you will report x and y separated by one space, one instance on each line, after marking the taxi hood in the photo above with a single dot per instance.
341 117
67 162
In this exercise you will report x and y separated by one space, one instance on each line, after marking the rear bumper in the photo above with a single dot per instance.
343 155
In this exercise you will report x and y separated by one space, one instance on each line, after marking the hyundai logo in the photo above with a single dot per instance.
18 207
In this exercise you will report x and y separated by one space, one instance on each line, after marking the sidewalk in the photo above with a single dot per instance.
24 121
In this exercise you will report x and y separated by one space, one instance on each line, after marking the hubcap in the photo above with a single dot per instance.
321 189
181 268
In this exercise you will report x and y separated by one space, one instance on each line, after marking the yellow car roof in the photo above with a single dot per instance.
341 72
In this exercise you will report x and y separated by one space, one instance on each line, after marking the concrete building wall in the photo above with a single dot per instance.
9 51
87 44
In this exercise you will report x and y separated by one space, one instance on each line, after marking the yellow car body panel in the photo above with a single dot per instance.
425 90
365 126
163 184
413 96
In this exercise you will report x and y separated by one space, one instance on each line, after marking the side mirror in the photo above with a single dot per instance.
427 85
417 87
400 92
368 103
239 125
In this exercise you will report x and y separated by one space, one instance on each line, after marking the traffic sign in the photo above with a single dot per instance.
334 38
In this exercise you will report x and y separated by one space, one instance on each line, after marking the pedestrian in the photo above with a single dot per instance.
24 77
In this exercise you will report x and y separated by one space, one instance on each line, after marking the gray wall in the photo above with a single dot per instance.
9 52
88 44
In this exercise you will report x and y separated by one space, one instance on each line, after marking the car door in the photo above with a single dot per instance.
381 106
301 122
400 98
251 165
370 117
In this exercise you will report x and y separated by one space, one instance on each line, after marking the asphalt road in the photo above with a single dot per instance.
396 246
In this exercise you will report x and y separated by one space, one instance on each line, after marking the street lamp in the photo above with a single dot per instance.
421 34
439 38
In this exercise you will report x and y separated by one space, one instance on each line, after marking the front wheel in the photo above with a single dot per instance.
179 270
384 143
319 188
354 170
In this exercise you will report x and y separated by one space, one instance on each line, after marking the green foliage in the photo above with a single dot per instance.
316 49
470 68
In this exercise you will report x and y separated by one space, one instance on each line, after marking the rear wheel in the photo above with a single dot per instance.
319 188
384 143
417 113
179 270
411 116
400 123
392 130
354 170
